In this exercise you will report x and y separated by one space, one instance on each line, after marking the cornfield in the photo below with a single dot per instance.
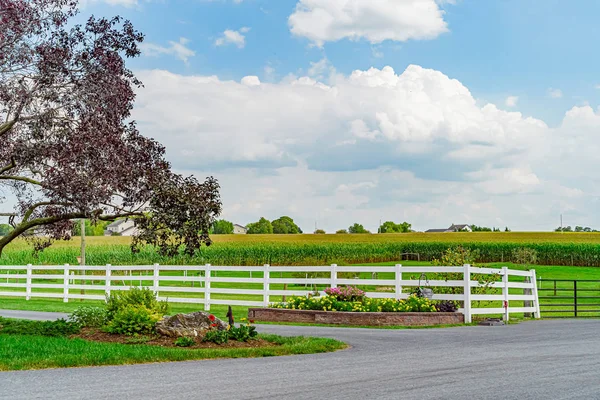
552 249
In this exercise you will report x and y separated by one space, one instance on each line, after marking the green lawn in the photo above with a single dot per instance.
18 352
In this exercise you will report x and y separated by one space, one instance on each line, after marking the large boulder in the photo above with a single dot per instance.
191 324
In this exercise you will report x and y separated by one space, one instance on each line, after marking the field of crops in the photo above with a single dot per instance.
577 249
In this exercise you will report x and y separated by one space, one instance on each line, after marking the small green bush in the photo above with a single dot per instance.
216 336
184 341
119 300
133 319
59 327
243 333
89 317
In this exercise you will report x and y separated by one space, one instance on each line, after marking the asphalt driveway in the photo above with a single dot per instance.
532 360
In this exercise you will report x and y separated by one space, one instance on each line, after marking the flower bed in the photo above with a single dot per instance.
350 306
356 318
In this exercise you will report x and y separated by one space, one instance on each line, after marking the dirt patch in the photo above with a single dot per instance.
97 335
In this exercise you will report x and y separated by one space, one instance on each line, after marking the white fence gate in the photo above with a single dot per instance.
231 285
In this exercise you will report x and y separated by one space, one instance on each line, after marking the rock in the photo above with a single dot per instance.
191 324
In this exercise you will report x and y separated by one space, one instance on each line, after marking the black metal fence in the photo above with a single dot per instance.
567 298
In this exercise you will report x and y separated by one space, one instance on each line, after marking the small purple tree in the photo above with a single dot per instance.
68 148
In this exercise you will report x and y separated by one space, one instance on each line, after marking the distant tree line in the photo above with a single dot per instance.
577 229
282 226
475 228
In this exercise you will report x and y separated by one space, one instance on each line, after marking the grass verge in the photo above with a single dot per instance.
19 352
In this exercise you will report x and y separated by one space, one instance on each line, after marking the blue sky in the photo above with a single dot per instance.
496 48
429 111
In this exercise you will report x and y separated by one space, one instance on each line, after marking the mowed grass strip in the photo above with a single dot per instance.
18 352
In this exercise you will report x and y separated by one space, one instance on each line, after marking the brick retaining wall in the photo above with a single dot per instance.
355 318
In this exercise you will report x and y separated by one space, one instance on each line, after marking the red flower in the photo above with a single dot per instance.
251 321
213 325
211 317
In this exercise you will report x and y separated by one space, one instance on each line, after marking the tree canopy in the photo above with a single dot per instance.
262 227
285 225
5 229
223 227
391 227
91 229
68 148
357 228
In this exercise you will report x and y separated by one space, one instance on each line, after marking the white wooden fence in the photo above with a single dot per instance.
61 282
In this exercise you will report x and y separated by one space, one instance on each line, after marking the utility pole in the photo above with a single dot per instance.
561 228
82 259
82 225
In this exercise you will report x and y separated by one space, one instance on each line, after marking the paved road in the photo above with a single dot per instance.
532 360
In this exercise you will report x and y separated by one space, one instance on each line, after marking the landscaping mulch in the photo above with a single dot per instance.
97 335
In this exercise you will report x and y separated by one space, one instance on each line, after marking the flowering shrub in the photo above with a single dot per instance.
365 304
347 293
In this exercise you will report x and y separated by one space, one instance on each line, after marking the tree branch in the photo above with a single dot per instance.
24 226
8 167
31 209
21 178
6 127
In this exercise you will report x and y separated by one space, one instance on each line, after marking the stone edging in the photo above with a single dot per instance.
355 318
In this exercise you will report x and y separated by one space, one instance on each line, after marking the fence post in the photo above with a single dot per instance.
266 285
107 281
207 287
527 303
66 284
505 292
155 281
536 313
333 275
398 275
467 293
575 297
28 283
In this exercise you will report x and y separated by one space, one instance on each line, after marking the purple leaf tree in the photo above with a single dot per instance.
68 148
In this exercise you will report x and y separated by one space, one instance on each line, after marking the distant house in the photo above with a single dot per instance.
239 229
121 227
453 228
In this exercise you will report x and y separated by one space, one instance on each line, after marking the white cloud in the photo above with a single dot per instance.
554 93
233 37
178 49
375 20
511 101
597 86
414 146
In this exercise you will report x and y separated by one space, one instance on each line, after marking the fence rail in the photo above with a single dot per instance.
260 285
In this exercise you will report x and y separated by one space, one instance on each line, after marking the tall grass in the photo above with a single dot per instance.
552 249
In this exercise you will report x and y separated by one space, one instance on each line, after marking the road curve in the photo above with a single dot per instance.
532 360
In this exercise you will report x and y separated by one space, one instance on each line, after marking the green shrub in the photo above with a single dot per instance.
59 327
216 336
89 317
243 333
133 319
119 300
184 341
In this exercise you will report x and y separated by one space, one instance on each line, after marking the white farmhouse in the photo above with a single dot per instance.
121 227
239 229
